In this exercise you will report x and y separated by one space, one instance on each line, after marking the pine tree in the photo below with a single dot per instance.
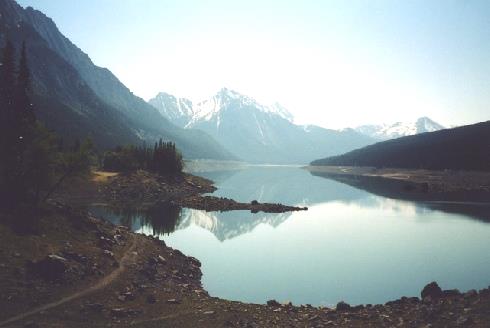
7 122
23 105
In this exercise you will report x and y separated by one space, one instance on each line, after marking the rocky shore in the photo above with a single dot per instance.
185 191
80 270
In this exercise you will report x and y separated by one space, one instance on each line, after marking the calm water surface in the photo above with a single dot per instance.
350 245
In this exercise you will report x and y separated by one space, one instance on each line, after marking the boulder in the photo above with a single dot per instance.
432 291
273 303
50 268
342 306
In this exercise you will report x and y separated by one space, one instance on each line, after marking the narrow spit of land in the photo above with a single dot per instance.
142 188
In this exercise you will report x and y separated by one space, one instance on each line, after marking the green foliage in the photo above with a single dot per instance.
462 148
32 163
163 159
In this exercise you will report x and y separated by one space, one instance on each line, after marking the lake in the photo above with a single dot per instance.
350 245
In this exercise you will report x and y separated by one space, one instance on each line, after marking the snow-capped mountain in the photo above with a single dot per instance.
228 225
177 110
257 133
182 112
399 129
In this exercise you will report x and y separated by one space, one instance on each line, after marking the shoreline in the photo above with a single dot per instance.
107 274
418 185
79 268
142 189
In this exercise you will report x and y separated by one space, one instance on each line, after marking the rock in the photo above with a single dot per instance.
108 253
95 307
173 301
313 318
194 261
432 291
120 312
464 321
273 303
208 312
342 306
151 299
31 324
451 292
161 259
51 268
75 256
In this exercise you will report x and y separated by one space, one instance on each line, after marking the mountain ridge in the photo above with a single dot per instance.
399 129
258 133
79 99
462 148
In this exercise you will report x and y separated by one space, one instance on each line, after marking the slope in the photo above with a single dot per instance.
461 148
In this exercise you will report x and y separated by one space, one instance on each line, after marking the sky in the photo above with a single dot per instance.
332 63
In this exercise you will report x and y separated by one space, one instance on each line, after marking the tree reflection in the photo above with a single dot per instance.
163 217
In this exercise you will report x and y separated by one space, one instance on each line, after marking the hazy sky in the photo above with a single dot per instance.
332 63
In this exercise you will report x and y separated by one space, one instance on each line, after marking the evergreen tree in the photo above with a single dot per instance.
7 124
23 105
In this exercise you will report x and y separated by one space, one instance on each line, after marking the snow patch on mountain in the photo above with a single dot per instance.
177 110
180 110
400 129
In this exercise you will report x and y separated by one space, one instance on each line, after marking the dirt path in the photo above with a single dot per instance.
128 258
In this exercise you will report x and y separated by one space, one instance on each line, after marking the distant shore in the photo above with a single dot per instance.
446 185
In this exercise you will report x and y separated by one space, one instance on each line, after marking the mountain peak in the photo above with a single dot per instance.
400 129
225 92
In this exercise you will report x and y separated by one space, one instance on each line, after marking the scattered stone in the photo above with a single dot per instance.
173 301
108 253
208 312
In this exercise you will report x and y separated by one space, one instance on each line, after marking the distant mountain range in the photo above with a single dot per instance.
399 129
257 133
79 99
461 148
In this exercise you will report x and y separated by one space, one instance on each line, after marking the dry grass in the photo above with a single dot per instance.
102 176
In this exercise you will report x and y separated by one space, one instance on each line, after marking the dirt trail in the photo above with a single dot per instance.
128 258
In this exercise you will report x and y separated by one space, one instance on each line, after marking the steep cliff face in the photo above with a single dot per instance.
79 99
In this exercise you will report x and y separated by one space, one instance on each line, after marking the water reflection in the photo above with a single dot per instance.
472 204
352 244
159 219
